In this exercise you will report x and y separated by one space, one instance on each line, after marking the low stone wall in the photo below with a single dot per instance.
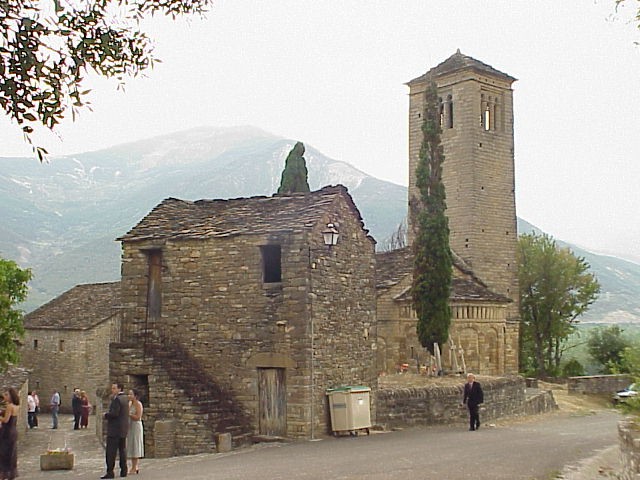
431 405
598 384
629 440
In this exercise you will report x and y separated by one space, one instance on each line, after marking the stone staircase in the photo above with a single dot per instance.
208 402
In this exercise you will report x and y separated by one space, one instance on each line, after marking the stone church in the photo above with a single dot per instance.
235 316
476 115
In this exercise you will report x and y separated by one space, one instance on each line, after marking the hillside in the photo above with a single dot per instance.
61 218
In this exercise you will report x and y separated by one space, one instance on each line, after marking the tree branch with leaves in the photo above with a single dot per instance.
46 51
556 287
13 290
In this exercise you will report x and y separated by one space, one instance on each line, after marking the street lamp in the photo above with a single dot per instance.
330 235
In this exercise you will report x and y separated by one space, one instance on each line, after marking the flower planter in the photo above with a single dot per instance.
56 461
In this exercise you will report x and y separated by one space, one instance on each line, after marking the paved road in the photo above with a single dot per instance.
535 449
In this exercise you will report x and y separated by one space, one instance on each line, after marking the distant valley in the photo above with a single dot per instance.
61 219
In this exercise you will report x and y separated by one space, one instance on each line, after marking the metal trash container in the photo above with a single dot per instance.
349 407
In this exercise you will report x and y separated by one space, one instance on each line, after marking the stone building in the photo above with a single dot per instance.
66 342
236 316
476 115
484 341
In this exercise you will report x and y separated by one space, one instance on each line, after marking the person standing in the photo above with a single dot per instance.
31 410
135 439
76 407
35 416
9 436
55 408
473 397
86 409
117 430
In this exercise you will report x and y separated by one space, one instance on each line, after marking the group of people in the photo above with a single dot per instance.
81 408
125 436
33 409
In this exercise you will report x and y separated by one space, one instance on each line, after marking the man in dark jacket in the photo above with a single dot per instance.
117 429
473 397
76 406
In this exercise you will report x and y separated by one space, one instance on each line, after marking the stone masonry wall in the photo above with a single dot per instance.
605 384
66 359
406 407
629 442
489 341
171 425
343 313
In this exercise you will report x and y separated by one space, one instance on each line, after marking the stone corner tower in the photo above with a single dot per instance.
476 114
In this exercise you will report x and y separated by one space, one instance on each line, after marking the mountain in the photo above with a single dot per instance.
62 218
619 280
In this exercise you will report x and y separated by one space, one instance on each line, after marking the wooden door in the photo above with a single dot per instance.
272 398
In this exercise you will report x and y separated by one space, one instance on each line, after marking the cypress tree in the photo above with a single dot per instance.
294 175
432 256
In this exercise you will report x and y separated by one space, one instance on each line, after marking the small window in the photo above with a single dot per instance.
35 344
271 263
61 345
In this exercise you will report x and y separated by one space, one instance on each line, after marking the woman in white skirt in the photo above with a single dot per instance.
135 438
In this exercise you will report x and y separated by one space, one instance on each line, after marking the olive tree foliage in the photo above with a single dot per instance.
13 290
433 261
48 48
294 175
555 289
606 345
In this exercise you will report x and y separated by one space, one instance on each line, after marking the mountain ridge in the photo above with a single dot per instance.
62 218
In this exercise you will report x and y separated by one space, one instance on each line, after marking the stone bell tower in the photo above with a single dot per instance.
476 114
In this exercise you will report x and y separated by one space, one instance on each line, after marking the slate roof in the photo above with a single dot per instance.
392 267
182 219
81 308
14 377
460 61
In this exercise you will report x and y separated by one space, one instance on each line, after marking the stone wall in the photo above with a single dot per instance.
629 442
63 359
431 405
481 329
598 384
172 425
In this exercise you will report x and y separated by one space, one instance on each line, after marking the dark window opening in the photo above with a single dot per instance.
271 263
35 344
140 383
61 346
154 284
450 112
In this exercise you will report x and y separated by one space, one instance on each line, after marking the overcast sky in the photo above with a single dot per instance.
331 73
